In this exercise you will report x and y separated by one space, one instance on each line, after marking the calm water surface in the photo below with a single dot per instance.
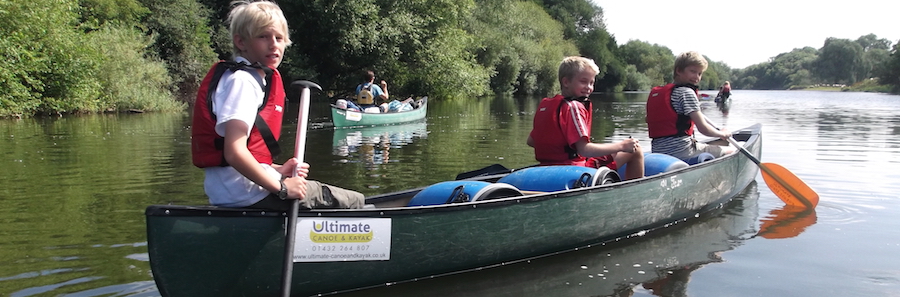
73 191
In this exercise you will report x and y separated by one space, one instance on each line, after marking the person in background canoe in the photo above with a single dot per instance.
724 92
368 94
235 123
673 111
561 134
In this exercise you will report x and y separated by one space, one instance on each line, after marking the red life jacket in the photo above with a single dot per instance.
207 146
550 144
662 121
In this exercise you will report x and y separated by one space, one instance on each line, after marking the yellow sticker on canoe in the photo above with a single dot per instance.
354 116
339 237
342 239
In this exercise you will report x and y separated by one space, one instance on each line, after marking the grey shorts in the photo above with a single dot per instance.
318 195
700 147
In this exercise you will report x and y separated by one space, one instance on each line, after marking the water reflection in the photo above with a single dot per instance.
786 222
372 145
724 107
660 263
73 191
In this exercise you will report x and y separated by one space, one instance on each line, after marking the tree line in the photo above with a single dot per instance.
74 56
868 60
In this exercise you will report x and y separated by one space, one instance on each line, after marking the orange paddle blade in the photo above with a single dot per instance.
787 186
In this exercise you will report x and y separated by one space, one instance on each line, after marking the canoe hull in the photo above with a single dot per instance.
206 251
343 118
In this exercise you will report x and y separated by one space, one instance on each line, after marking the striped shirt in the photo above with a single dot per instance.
684 101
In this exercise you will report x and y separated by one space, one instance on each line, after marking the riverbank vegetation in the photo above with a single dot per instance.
865 64
82 56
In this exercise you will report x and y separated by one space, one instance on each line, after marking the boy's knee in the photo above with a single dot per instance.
319 195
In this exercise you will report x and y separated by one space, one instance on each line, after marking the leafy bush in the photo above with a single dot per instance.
525 62
183 40
47 66
635 80
129 79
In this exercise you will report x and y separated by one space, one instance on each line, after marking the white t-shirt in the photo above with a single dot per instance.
238 97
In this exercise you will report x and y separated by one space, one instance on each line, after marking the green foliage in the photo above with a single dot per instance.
183 39
576 16
56 60
525 62
870 42
635 80
710 80
654 61
441 48
582 22
447 69
96 13
890 73
337 40
97 55
599 45
614 80
129 79
716 75
869 85
47 65
783 72
839 61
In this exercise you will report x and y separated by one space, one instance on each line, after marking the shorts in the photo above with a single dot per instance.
700 147
597 162
318 195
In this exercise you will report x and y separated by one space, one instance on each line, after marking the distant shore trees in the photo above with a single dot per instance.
66 56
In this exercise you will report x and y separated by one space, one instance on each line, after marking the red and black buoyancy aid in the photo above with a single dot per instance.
207 146
554 146
662 121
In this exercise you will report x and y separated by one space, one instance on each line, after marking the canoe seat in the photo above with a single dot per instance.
462 191
702 157
655 163
559 178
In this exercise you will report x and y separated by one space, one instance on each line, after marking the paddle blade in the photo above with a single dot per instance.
787 186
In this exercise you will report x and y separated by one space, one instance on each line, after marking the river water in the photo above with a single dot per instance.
73 191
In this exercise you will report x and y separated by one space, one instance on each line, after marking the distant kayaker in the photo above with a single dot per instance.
724 92
561 134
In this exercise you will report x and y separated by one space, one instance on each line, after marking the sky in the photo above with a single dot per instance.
743 33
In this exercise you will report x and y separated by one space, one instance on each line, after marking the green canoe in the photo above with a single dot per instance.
209 251
346 118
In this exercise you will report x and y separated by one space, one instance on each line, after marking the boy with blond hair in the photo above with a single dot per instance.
673 111
238 117
561 134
